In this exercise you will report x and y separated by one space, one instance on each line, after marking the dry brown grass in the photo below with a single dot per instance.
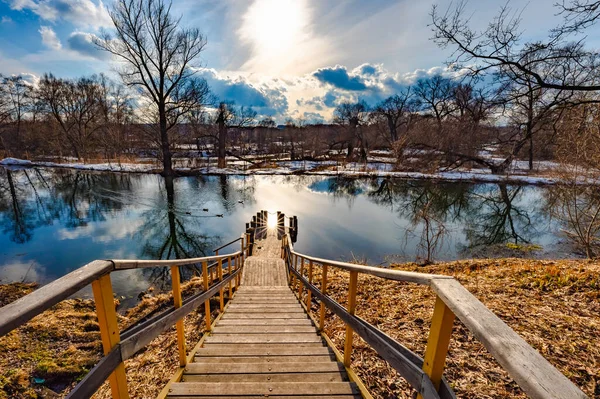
553 305
62 344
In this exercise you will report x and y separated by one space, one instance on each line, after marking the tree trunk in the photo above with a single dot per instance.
222 136
393 129
530 152
164 140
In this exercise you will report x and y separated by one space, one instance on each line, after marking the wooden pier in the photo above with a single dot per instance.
267 342
264 345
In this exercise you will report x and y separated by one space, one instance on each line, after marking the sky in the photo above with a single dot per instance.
284 58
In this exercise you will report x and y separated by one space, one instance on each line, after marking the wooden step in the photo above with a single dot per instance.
267 377
253 315
199 389
287 367
262 346
262 329
233 309
265 306
263 338
263 350
264 322
264 359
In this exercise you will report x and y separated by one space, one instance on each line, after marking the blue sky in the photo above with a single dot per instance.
286 58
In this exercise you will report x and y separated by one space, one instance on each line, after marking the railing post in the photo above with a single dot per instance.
438 342
229 271
308 291
176 283
238 265
222 290
324 292
351 308
109 332
231 268
300 284
207 302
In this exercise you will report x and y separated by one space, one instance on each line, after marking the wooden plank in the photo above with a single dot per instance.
264 359
265 347
263 329
124 264
260 368
24 309
271 351
534 374
267 389
235 310
397 275
281 377
263 338
109 332
264 322
238 305
176 283
244 315
353 396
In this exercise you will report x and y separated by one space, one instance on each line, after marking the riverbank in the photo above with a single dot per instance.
546 173
553 305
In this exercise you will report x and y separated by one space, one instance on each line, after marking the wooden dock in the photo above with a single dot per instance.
264 345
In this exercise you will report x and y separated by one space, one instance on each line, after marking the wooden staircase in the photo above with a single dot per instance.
264 345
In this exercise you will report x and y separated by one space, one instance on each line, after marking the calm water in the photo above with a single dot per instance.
54 221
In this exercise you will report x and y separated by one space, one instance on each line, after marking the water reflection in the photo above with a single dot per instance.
54 220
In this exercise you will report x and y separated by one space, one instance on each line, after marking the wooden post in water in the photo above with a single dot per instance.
207 302
351 308
438 342
176 283
109 332
324 292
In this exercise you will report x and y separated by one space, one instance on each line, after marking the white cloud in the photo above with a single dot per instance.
6 20
49 38
85 13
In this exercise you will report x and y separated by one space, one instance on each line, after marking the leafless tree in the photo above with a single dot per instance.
353 116
396 111
561 62
159 58
229 116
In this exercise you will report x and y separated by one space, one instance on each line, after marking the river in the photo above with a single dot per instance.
53 221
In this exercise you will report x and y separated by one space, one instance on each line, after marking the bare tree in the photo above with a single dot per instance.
353 116
229 116
159 59
557 63
396 111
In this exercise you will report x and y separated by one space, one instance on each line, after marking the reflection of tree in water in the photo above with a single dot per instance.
489 213
32 198
172 228
340 187
17 213
577 208
497 218
428 207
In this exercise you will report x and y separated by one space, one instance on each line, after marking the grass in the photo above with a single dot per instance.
46 357
553 305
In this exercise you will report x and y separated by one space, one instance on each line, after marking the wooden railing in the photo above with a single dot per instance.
532 372
120 346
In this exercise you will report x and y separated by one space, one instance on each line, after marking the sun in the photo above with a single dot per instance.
275 27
